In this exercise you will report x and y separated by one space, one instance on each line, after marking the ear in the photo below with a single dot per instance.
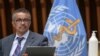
30 23
13 23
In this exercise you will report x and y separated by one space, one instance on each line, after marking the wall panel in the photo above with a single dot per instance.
40 9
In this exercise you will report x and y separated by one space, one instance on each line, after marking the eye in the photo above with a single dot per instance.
26 20
18 20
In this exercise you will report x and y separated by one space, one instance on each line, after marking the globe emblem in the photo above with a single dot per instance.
63 31
72 41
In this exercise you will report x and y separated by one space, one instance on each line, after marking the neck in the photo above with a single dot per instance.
20 33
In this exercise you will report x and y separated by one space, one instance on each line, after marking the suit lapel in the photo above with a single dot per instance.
29 41
10 44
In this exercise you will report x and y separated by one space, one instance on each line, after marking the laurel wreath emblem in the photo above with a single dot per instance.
79 49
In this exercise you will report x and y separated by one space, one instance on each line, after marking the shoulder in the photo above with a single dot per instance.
37 35
7 38
42 40
0 44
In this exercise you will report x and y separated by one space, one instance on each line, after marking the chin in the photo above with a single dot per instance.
23 31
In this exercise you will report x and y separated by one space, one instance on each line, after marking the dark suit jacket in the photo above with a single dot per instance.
34 39
1 54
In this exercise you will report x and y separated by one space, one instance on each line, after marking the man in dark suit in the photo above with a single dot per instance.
16 44
1 54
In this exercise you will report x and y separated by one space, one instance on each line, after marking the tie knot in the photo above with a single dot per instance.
20 39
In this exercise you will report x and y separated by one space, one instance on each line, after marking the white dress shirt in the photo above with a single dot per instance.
15 43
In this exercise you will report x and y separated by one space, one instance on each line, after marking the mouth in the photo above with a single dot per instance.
22 27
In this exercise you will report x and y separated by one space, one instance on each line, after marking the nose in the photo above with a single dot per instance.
22 22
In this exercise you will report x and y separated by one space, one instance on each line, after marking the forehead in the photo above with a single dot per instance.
22 15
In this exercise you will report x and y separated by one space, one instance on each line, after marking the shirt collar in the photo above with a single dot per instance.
25 35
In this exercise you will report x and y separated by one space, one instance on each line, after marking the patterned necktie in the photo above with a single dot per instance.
18 48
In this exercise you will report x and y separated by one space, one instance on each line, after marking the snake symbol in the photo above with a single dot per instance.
63 29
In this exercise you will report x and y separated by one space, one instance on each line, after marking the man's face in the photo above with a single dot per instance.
21 22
